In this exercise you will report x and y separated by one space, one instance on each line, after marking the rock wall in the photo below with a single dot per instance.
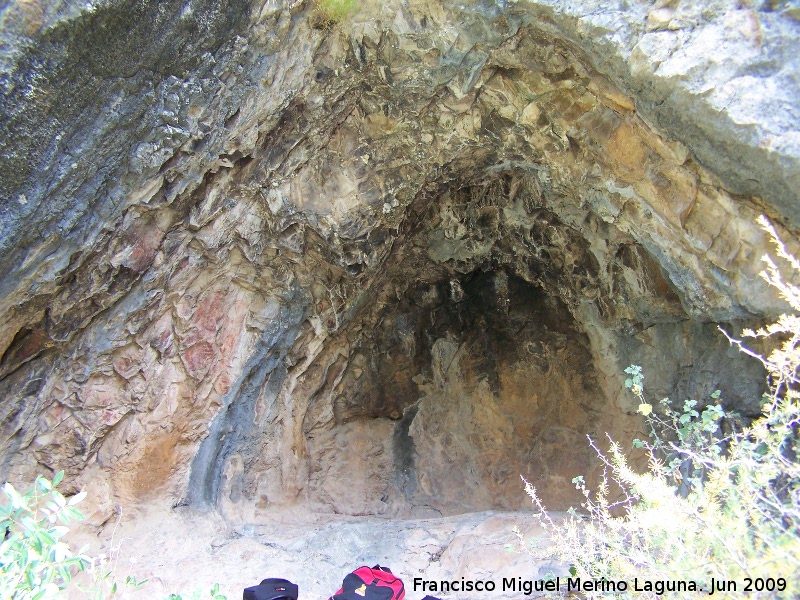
255 261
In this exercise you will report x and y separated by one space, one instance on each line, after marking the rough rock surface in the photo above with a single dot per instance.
254 261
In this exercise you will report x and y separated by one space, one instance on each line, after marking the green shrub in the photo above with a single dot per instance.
334 11
717 503
35 562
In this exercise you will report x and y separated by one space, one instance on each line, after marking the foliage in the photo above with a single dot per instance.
334 11
720 501
35 562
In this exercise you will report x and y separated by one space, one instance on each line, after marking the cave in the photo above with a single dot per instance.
489 347
281 270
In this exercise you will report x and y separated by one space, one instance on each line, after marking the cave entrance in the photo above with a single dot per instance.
462 386
488 345
506 388
465 368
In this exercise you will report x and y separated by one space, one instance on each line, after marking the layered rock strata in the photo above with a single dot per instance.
381 267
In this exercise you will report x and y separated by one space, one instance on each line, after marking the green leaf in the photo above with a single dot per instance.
59 531
16 499
58 499
29 576
28 524
46 538
74 513
74 561
57 479
131 581
77 498
63 572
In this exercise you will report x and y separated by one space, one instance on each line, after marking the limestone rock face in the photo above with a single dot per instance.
251 260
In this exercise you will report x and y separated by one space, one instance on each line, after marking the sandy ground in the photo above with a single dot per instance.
184 551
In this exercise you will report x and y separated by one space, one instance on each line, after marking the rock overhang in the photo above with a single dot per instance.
329 169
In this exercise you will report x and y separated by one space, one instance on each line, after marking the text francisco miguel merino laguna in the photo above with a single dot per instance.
575 584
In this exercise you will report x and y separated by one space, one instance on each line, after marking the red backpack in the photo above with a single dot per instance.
376 583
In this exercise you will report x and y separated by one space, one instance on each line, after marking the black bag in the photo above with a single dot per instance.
271 589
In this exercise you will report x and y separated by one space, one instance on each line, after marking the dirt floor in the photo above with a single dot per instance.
184 551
